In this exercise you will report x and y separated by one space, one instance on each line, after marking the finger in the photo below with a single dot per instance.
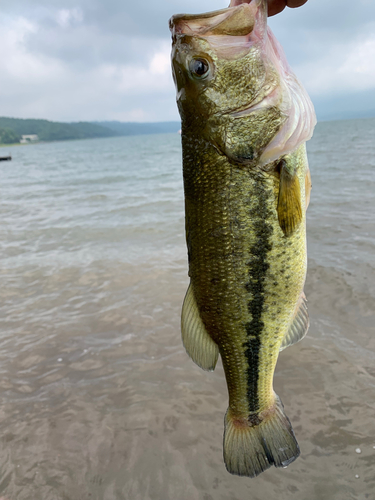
276 6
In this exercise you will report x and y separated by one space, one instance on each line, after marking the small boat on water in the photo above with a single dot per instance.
5 158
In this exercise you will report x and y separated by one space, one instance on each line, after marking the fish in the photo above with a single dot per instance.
245 119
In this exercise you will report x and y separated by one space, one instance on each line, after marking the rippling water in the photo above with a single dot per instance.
99 399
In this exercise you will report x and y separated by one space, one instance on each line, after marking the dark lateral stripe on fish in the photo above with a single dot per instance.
258 267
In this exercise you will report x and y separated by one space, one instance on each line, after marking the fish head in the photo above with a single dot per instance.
234 84
217 59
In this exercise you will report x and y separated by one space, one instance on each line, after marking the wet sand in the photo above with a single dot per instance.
138 420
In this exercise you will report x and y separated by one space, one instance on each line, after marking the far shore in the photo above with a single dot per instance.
17 144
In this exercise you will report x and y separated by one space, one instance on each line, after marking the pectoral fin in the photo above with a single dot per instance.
197 342
289 208
308 187
299 326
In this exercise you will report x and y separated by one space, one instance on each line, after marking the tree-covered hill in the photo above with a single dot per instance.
55 131
8 136
12 129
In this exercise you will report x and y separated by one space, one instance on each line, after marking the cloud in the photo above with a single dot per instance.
45 86
68 17
147 18
343 68
20 65
358 71
89 59
135 79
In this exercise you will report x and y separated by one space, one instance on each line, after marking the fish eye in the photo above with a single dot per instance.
199 68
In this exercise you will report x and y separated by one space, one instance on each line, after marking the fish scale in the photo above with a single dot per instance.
238 253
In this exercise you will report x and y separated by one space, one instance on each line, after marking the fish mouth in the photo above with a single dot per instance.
228 31
233 21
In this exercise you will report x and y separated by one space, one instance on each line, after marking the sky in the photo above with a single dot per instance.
86 60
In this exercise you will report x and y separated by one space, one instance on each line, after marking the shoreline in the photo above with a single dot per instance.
14 144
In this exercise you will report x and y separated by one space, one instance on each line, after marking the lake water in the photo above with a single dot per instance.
99 399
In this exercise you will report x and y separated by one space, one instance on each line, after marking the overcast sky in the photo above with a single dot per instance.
72 60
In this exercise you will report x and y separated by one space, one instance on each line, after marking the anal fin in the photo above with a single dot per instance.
289 209
299 326
197 342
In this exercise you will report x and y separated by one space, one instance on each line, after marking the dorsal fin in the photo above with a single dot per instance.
300 324
197 342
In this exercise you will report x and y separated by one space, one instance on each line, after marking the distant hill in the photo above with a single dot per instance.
135 128
8 136
55 131
11 129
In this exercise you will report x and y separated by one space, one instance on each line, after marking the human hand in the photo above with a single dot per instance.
276 6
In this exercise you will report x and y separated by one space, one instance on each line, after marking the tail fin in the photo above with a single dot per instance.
251 448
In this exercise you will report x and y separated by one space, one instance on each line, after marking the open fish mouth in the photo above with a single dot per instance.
233 21
229 31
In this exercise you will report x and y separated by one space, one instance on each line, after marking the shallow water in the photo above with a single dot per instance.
99 399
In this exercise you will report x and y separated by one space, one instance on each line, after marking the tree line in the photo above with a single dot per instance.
12 129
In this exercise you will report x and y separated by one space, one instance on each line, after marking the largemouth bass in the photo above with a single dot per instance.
245 121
